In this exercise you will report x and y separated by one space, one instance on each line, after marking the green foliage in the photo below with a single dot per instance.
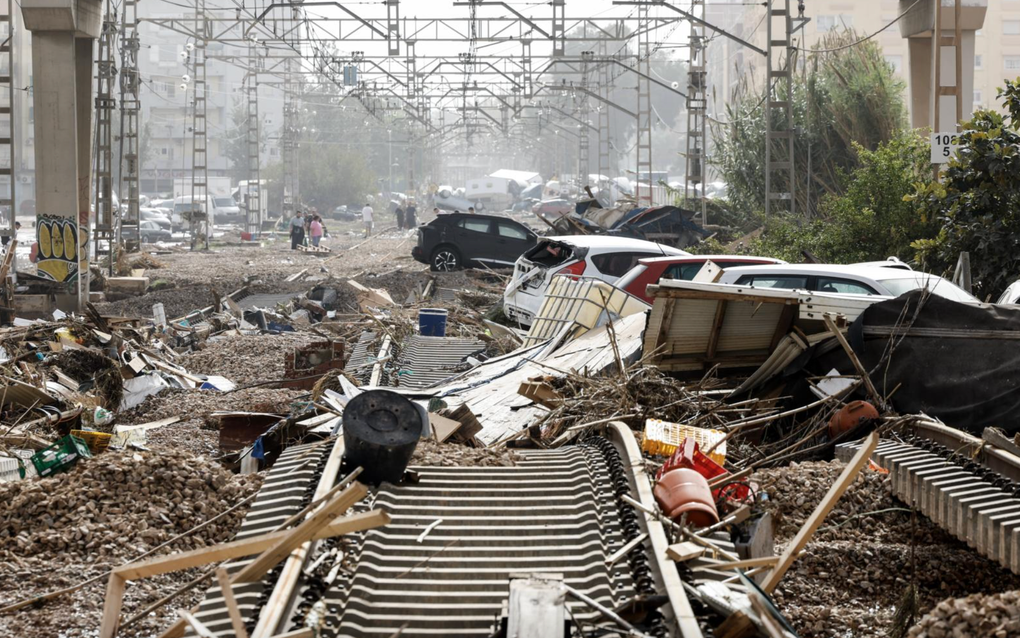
872 220
842 98
977 201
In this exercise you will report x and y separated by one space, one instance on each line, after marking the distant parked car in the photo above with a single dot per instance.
150 231
153 215
457 240
605 257
879 281
346 213
684 267
552 207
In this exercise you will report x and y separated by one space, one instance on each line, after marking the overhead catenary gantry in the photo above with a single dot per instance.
490 65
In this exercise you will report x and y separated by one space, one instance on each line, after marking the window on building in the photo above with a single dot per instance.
1011 27
979 62
977 98
31 114
835 22
1011 62
896 62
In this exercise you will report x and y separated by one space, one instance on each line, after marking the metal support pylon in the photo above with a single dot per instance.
643 195
697 103
199 150
559 27
603 109
287 142
8 136
130 106
105 229
253 208
583 149
779 135
393 26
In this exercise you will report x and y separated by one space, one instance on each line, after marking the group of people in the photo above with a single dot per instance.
406 217
306 224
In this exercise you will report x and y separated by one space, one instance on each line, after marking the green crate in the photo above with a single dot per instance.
60 456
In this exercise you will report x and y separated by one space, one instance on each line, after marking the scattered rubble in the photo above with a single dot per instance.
262 348
120 504
976 616
430 453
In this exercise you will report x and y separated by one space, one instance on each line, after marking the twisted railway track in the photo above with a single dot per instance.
443 566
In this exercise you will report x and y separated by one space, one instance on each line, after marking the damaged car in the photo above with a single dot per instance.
460 240
879 281
603 257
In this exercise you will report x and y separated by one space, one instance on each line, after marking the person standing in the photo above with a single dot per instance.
410 216
315 228
471 210
399 212
297 231
366 218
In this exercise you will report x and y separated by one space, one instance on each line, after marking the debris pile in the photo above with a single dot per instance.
121 504
976 616
430 453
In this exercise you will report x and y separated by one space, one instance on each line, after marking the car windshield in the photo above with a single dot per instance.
223 202
937 285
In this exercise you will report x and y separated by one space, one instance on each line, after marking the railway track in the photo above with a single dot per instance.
443 566
961 483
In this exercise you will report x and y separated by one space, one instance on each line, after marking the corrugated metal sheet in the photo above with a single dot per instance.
490 390
425 361
266 301
365 351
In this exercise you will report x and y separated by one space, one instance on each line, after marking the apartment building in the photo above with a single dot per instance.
165 108
166 117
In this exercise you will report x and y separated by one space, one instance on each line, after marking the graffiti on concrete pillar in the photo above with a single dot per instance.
58 247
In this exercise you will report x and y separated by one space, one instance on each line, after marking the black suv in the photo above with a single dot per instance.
456 240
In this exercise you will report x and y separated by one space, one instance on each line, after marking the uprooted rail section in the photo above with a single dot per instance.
457 537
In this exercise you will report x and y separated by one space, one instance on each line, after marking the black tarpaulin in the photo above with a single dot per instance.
957 362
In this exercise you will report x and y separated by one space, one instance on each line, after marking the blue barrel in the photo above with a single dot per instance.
432 322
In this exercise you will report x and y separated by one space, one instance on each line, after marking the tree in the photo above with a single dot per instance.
977 201
845 97
235 144
872 220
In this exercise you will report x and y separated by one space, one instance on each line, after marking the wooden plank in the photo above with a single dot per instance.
846 477
196 624
236 621
111 608
717 323
765 561
240 548
685 551
865 377
277 604
623 551
305 531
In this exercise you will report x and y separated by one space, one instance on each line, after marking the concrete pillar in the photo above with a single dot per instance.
919 27
62 34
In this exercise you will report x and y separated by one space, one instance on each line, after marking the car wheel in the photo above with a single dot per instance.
444 259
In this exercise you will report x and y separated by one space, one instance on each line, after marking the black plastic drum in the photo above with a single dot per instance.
381 430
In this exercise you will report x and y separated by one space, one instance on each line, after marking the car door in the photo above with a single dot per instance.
512 241
475 239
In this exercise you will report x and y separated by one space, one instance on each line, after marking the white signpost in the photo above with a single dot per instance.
943 147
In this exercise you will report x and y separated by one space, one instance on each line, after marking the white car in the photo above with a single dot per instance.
599 256
879 281
1010 295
